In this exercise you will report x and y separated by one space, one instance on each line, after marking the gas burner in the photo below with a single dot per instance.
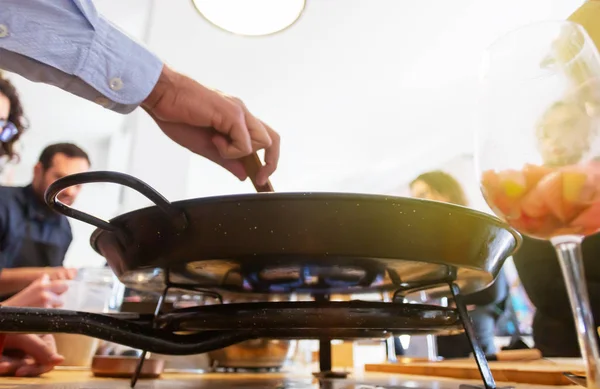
309 274
287 274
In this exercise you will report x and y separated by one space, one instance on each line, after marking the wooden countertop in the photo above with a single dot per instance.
68 379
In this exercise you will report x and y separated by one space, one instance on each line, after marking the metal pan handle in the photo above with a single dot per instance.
176 215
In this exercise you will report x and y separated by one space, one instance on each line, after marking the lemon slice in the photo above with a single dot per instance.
513 184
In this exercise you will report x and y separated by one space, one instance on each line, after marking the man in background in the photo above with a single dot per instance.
33 238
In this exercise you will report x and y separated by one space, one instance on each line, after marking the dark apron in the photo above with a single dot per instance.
553 324
34 253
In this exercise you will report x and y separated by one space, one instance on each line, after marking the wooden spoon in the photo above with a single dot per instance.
252 163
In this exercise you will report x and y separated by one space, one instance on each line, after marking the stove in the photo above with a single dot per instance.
250 253
196 330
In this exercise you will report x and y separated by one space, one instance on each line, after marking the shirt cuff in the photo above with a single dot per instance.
123 71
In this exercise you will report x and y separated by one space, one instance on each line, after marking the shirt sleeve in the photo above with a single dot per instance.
66 43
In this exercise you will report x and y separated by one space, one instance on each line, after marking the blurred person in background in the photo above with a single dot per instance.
485 307
12 122
35 239
537 264
36 354
553 324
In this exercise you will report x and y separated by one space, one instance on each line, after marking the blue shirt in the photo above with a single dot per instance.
24 216
66 43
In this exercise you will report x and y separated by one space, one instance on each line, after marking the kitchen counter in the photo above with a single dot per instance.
65 379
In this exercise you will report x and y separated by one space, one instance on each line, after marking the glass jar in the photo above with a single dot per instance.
94 290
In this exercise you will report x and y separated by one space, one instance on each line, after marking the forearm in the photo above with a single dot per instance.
14 280
66 43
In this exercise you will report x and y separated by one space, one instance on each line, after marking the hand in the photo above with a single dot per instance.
17 279
42 293
29 355
212 124
59 273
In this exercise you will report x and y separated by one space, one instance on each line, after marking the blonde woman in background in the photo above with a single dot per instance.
486 306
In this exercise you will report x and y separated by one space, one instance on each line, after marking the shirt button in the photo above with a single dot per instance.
103 101
3 31
116 84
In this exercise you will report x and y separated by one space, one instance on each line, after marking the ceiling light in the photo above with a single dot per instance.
251 17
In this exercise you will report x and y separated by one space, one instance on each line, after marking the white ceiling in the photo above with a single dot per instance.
359 89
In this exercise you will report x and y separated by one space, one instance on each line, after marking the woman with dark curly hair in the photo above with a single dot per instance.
37 354
12 119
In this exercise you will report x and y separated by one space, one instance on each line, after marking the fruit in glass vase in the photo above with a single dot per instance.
534 173
563 201
503 189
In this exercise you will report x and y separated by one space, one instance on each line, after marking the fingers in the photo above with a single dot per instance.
50 300
22 367
230 122
271 157
43 352
31 369
262 137
71 273
259 135
61 273
57 287
234 166
9 366
42 293
242 133
40 355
